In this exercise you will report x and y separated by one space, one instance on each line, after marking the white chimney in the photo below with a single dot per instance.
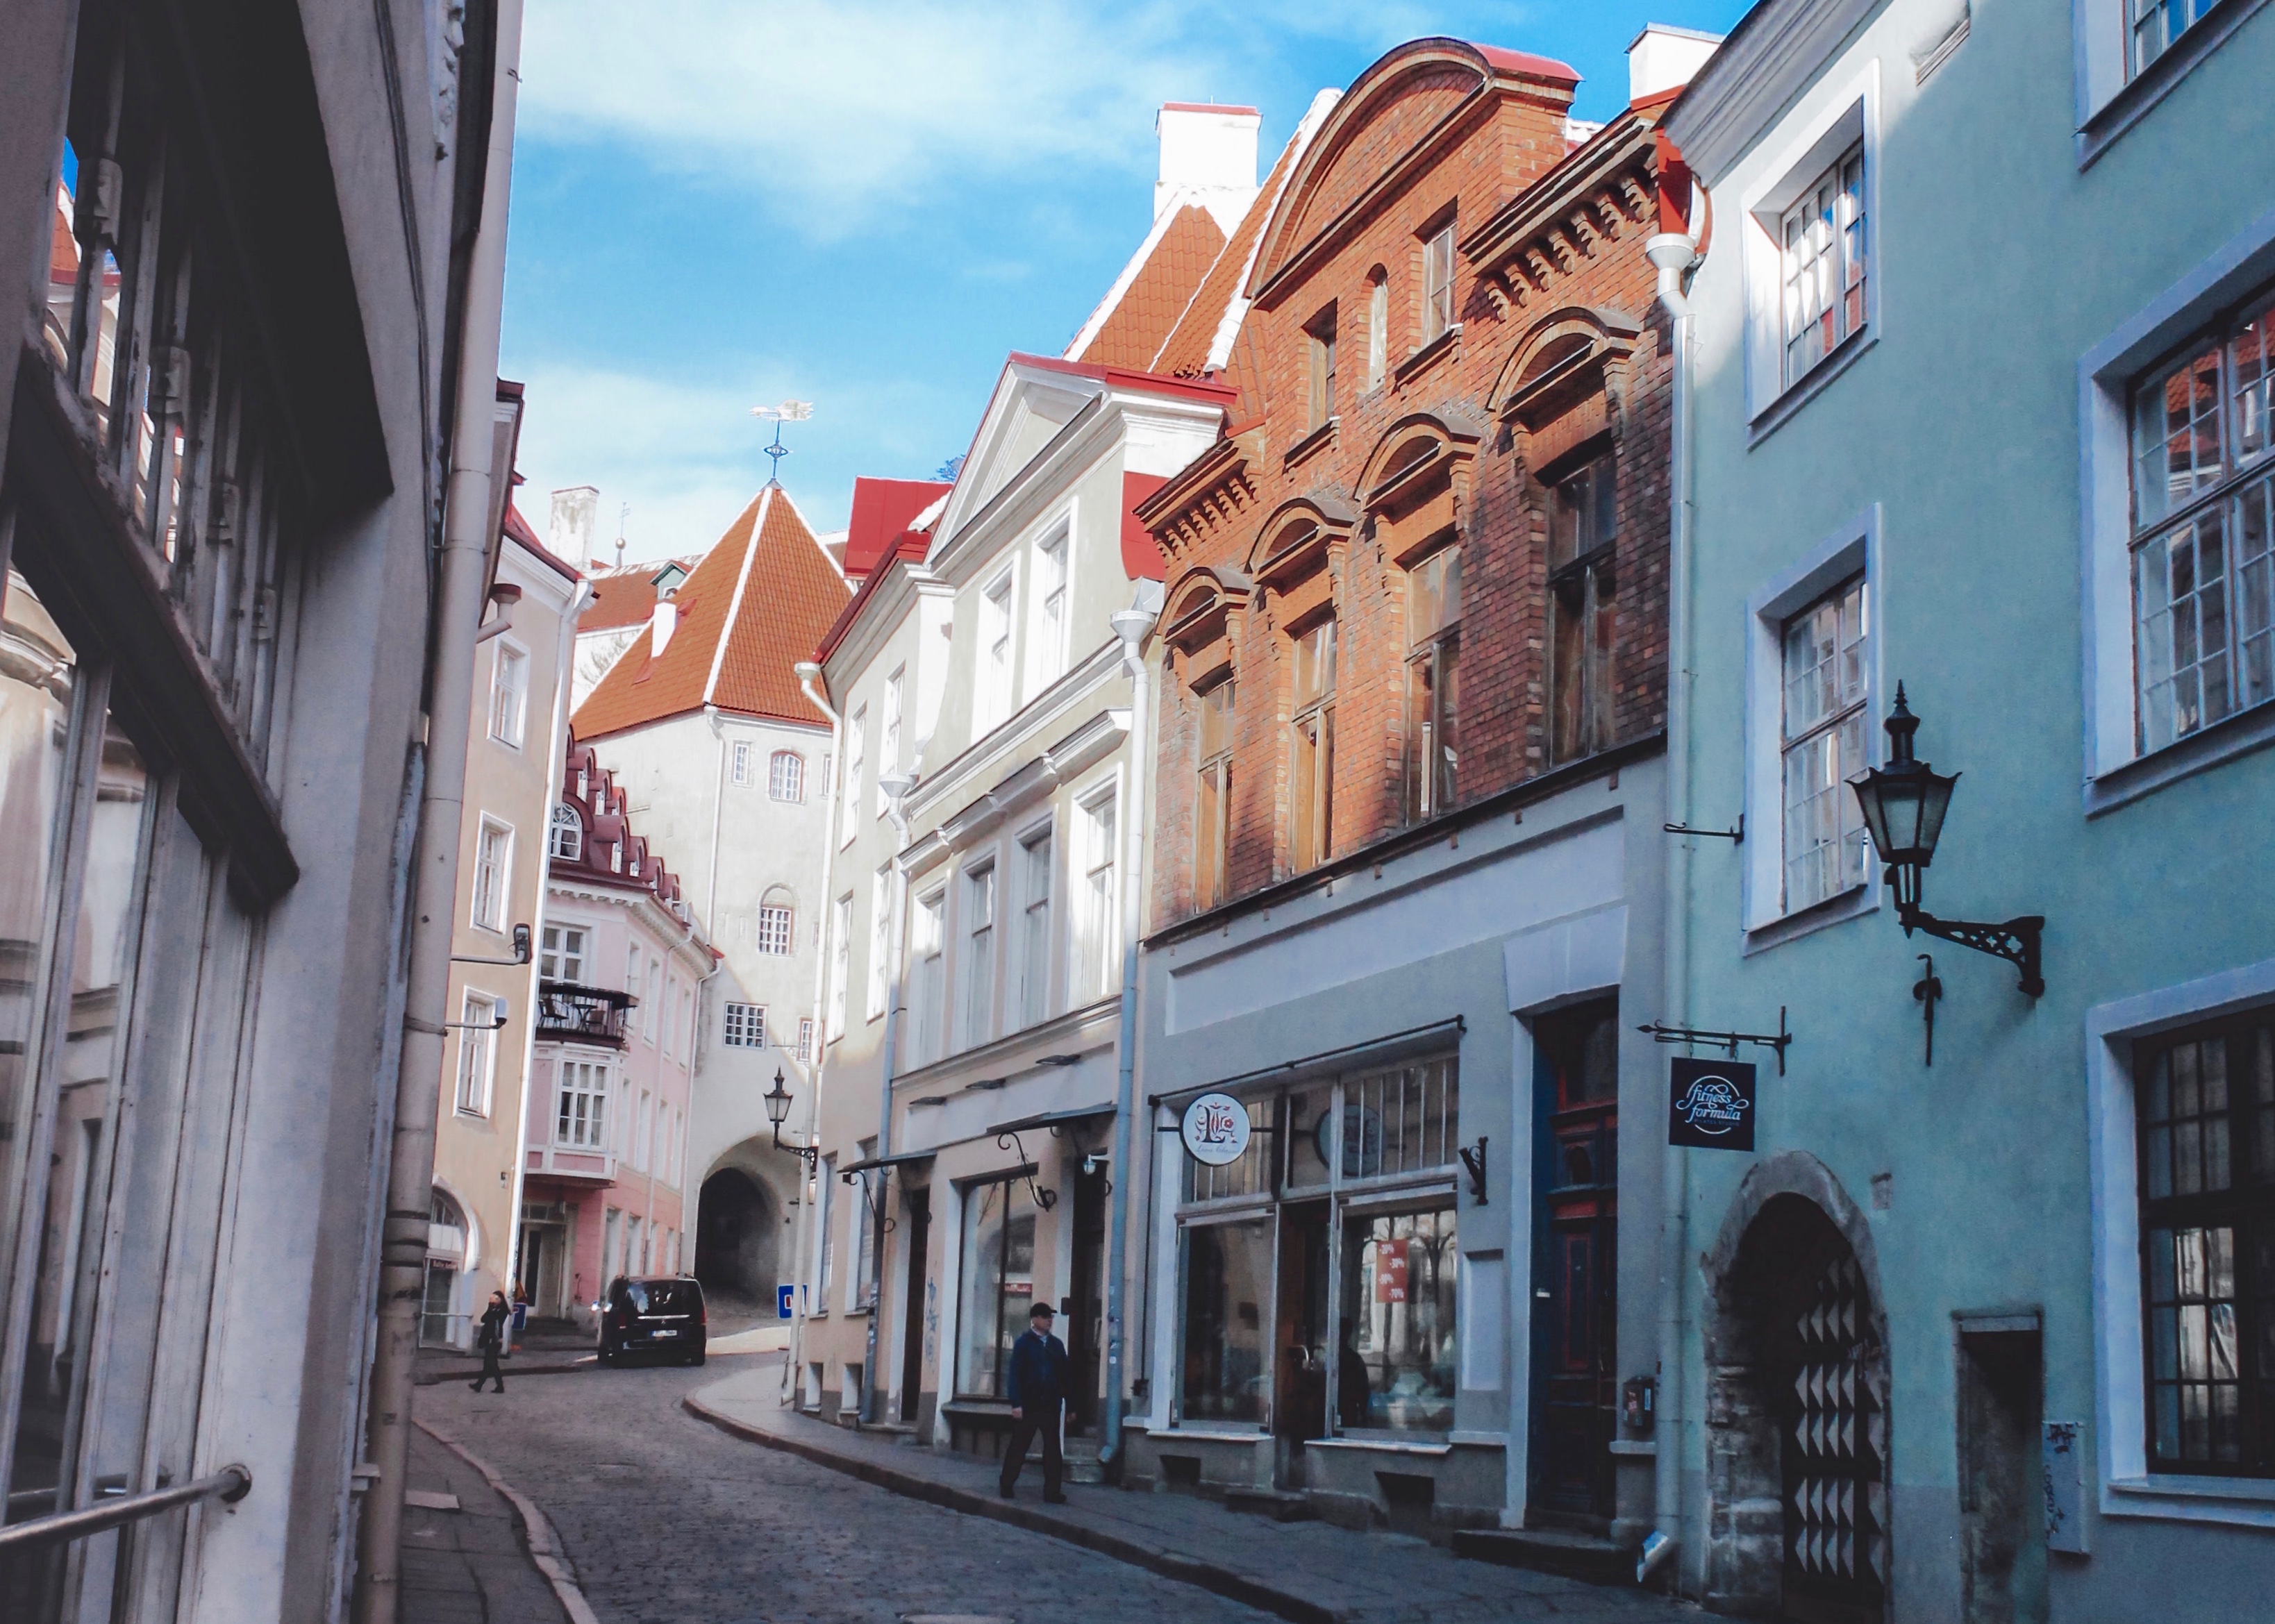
1664 57
662 624
569 535
1209 150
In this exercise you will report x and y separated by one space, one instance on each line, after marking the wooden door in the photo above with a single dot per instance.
1575 1262
913 1302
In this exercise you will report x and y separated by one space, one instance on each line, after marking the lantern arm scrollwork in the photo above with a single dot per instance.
2016 941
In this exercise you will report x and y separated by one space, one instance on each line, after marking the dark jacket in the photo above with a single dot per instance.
1038 1370
493 1331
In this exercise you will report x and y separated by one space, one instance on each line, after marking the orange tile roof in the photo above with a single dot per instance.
1158 294
626 597
1184 349
757 603
518 528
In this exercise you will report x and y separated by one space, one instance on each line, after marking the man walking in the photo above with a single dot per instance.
1037 1389
490 1339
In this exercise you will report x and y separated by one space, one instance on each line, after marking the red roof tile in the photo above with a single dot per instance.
758 601
1151 300
882 509
518 527
626 596
1184 349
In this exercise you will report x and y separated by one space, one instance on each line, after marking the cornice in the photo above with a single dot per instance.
683 935
1017 732
1548 202
882 617
1099 735
1777 50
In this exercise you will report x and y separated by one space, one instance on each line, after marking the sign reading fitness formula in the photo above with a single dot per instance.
1215 1129
1711 1103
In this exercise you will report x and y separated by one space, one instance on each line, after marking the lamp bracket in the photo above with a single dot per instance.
810 1154
2016 941
1473 1157
1730 1041
1737 836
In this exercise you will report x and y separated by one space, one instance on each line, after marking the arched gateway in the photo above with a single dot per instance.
1796 1344
738 1238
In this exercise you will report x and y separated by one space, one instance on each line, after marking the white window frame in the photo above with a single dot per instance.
651 1007
840 966
2117 771
509 719
786 776
928 957
591 1083
880 931
1441 311
671 1009
1378 328
2110 97
1051 635
743 1026
806 1038
777 928
979 911
995 674
1853 550
477 1050
741 753
888 741
2127 1487
1036 960
558 959
564 838
492 892
1847 115
1095 924
856 745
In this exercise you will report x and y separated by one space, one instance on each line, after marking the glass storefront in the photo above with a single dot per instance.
998 1283
1344 1196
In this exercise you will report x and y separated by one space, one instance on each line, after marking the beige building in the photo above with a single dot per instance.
513 762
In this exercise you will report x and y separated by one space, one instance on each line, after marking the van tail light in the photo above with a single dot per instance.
703 1316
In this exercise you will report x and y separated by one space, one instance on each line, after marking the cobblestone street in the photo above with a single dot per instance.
669 1519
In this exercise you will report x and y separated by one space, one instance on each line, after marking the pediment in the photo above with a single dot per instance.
1563 360
1031 406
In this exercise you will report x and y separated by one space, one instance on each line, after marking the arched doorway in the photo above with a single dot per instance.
1797 1405
738 1240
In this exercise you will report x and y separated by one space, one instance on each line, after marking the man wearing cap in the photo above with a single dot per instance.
1037 1388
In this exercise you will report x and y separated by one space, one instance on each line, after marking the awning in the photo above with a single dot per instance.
895 1160
1053 1119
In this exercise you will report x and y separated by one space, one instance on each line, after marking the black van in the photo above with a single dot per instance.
654 1316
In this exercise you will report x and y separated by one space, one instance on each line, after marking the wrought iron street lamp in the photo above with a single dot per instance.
1904 804
777 1098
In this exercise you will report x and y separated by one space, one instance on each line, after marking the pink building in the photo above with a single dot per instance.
621 968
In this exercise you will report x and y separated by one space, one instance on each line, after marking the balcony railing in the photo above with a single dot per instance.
567 1013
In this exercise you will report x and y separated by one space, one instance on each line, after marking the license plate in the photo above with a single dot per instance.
661 1334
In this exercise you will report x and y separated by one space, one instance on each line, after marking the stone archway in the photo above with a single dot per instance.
1795 1337
737 1239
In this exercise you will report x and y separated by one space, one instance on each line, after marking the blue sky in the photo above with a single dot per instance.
719 204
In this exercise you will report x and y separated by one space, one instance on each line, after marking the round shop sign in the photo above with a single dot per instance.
1216 1129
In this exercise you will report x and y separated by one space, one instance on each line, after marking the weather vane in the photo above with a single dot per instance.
789 411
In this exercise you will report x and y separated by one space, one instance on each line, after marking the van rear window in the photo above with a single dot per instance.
664 1296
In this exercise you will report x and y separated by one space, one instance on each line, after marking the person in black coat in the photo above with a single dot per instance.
490 1339
1037 1388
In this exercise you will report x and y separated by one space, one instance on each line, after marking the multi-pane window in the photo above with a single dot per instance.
840 955
1378 328
1034 927
493 848
1434 639
1212 804
670 1005
2206 1104
580 1113
745 1026
1048 655
566 838
1311 748
994 699
1438 283
786 776
806 1038
508 694
477 1033
1096 967
1825 662
2204 516
928 979
2157 23
739 756
777 926
978 966
857 740
561 954
1319 348
889 746
880 906
1823 261
1583 529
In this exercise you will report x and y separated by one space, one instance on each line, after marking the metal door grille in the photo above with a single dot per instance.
1836 1500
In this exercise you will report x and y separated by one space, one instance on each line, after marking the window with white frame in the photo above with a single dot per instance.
1825 659
1378 327
740 755
1438 283
777 927
566 840
561 952
856 731
978 966
2204 523
1050 598
2156 24
670 1025
1035 927
880 905
477 1049
889 746
927 977
1823 264
580 1113
508 694
687 1022
633 970
786 776
825 1234
652 1011
992 700
644 1132
745 1026
1096 970
493 857
841 953
806 1038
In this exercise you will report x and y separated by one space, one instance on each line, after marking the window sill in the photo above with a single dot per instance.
2222 742
2245 1502
1850 905
1815 382
1219 1435
1317 439
2141 93
1426 357
1437 1448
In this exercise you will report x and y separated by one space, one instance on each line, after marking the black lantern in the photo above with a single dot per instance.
777 1098
1903 805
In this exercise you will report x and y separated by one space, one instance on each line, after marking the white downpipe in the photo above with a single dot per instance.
809 681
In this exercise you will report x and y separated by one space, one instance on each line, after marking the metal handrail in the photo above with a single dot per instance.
228 1485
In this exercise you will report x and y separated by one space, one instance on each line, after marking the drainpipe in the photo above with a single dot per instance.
435 877
809 678
1675 253
897 787
1130 625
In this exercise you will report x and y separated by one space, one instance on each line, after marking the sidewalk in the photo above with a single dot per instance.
469 1565
1309 1571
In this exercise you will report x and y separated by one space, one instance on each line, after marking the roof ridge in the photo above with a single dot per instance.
1236 310
742 581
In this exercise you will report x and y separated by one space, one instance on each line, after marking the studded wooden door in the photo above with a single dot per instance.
1834 1436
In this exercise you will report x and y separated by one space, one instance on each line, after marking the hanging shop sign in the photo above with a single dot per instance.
1390 1261
1711 1103
1215 1129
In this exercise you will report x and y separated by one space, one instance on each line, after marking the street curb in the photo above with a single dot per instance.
537 1532
1208 1575
436 1379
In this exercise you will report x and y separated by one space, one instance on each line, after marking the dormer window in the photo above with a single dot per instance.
567 837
